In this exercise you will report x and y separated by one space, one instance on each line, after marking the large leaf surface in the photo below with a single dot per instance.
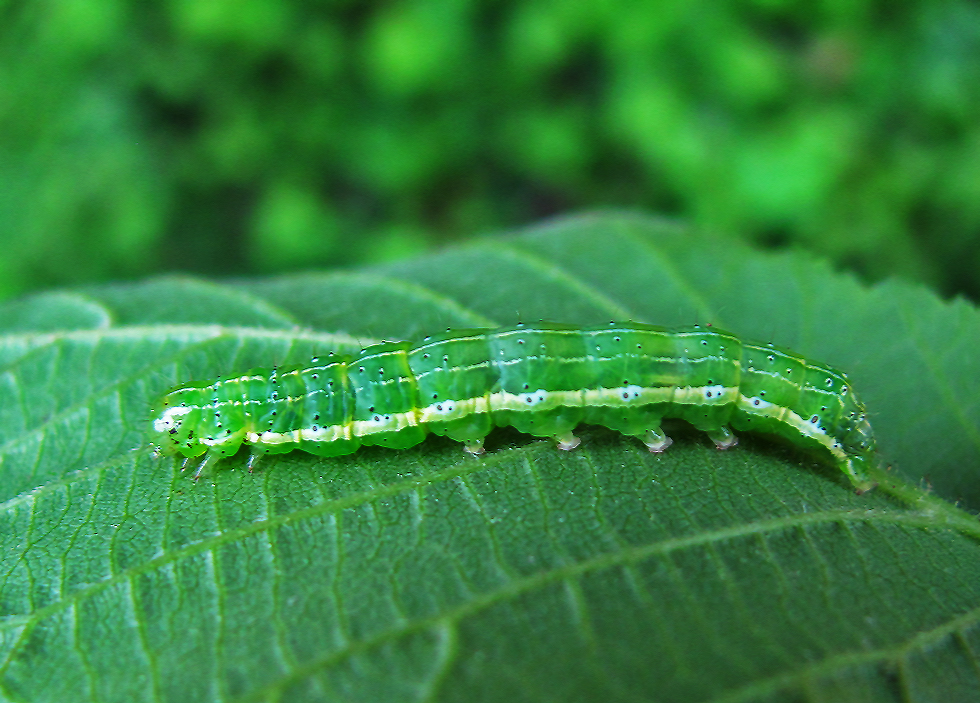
603 574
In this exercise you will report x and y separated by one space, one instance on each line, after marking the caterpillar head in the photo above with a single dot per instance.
173 424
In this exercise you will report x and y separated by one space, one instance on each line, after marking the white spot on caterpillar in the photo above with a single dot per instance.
386 423
714 393
631 393
696 395
534 399
453 409
755 403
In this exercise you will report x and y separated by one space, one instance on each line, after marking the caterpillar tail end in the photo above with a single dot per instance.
862 488
855 467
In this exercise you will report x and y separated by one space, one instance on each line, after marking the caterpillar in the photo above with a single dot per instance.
543 379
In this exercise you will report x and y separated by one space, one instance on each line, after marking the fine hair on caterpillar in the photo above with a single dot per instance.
543 379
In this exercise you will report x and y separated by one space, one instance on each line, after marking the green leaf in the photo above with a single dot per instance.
603 574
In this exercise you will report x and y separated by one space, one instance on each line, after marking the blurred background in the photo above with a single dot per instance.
238 137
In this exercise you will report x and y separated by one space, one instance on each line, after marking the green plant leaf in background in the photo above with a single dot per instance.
603 574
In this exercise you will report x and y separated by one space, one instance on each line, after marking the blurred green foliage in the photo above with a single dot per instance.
239 136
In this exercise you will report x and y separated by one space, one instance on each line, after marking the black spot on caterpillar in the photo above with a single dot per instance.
543 379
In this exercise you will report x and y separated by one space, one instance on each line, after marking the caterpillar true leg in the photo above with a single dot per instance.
253 458
209 458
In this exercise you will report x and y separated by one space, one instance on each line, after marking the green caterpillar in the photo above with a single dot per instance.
543 379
